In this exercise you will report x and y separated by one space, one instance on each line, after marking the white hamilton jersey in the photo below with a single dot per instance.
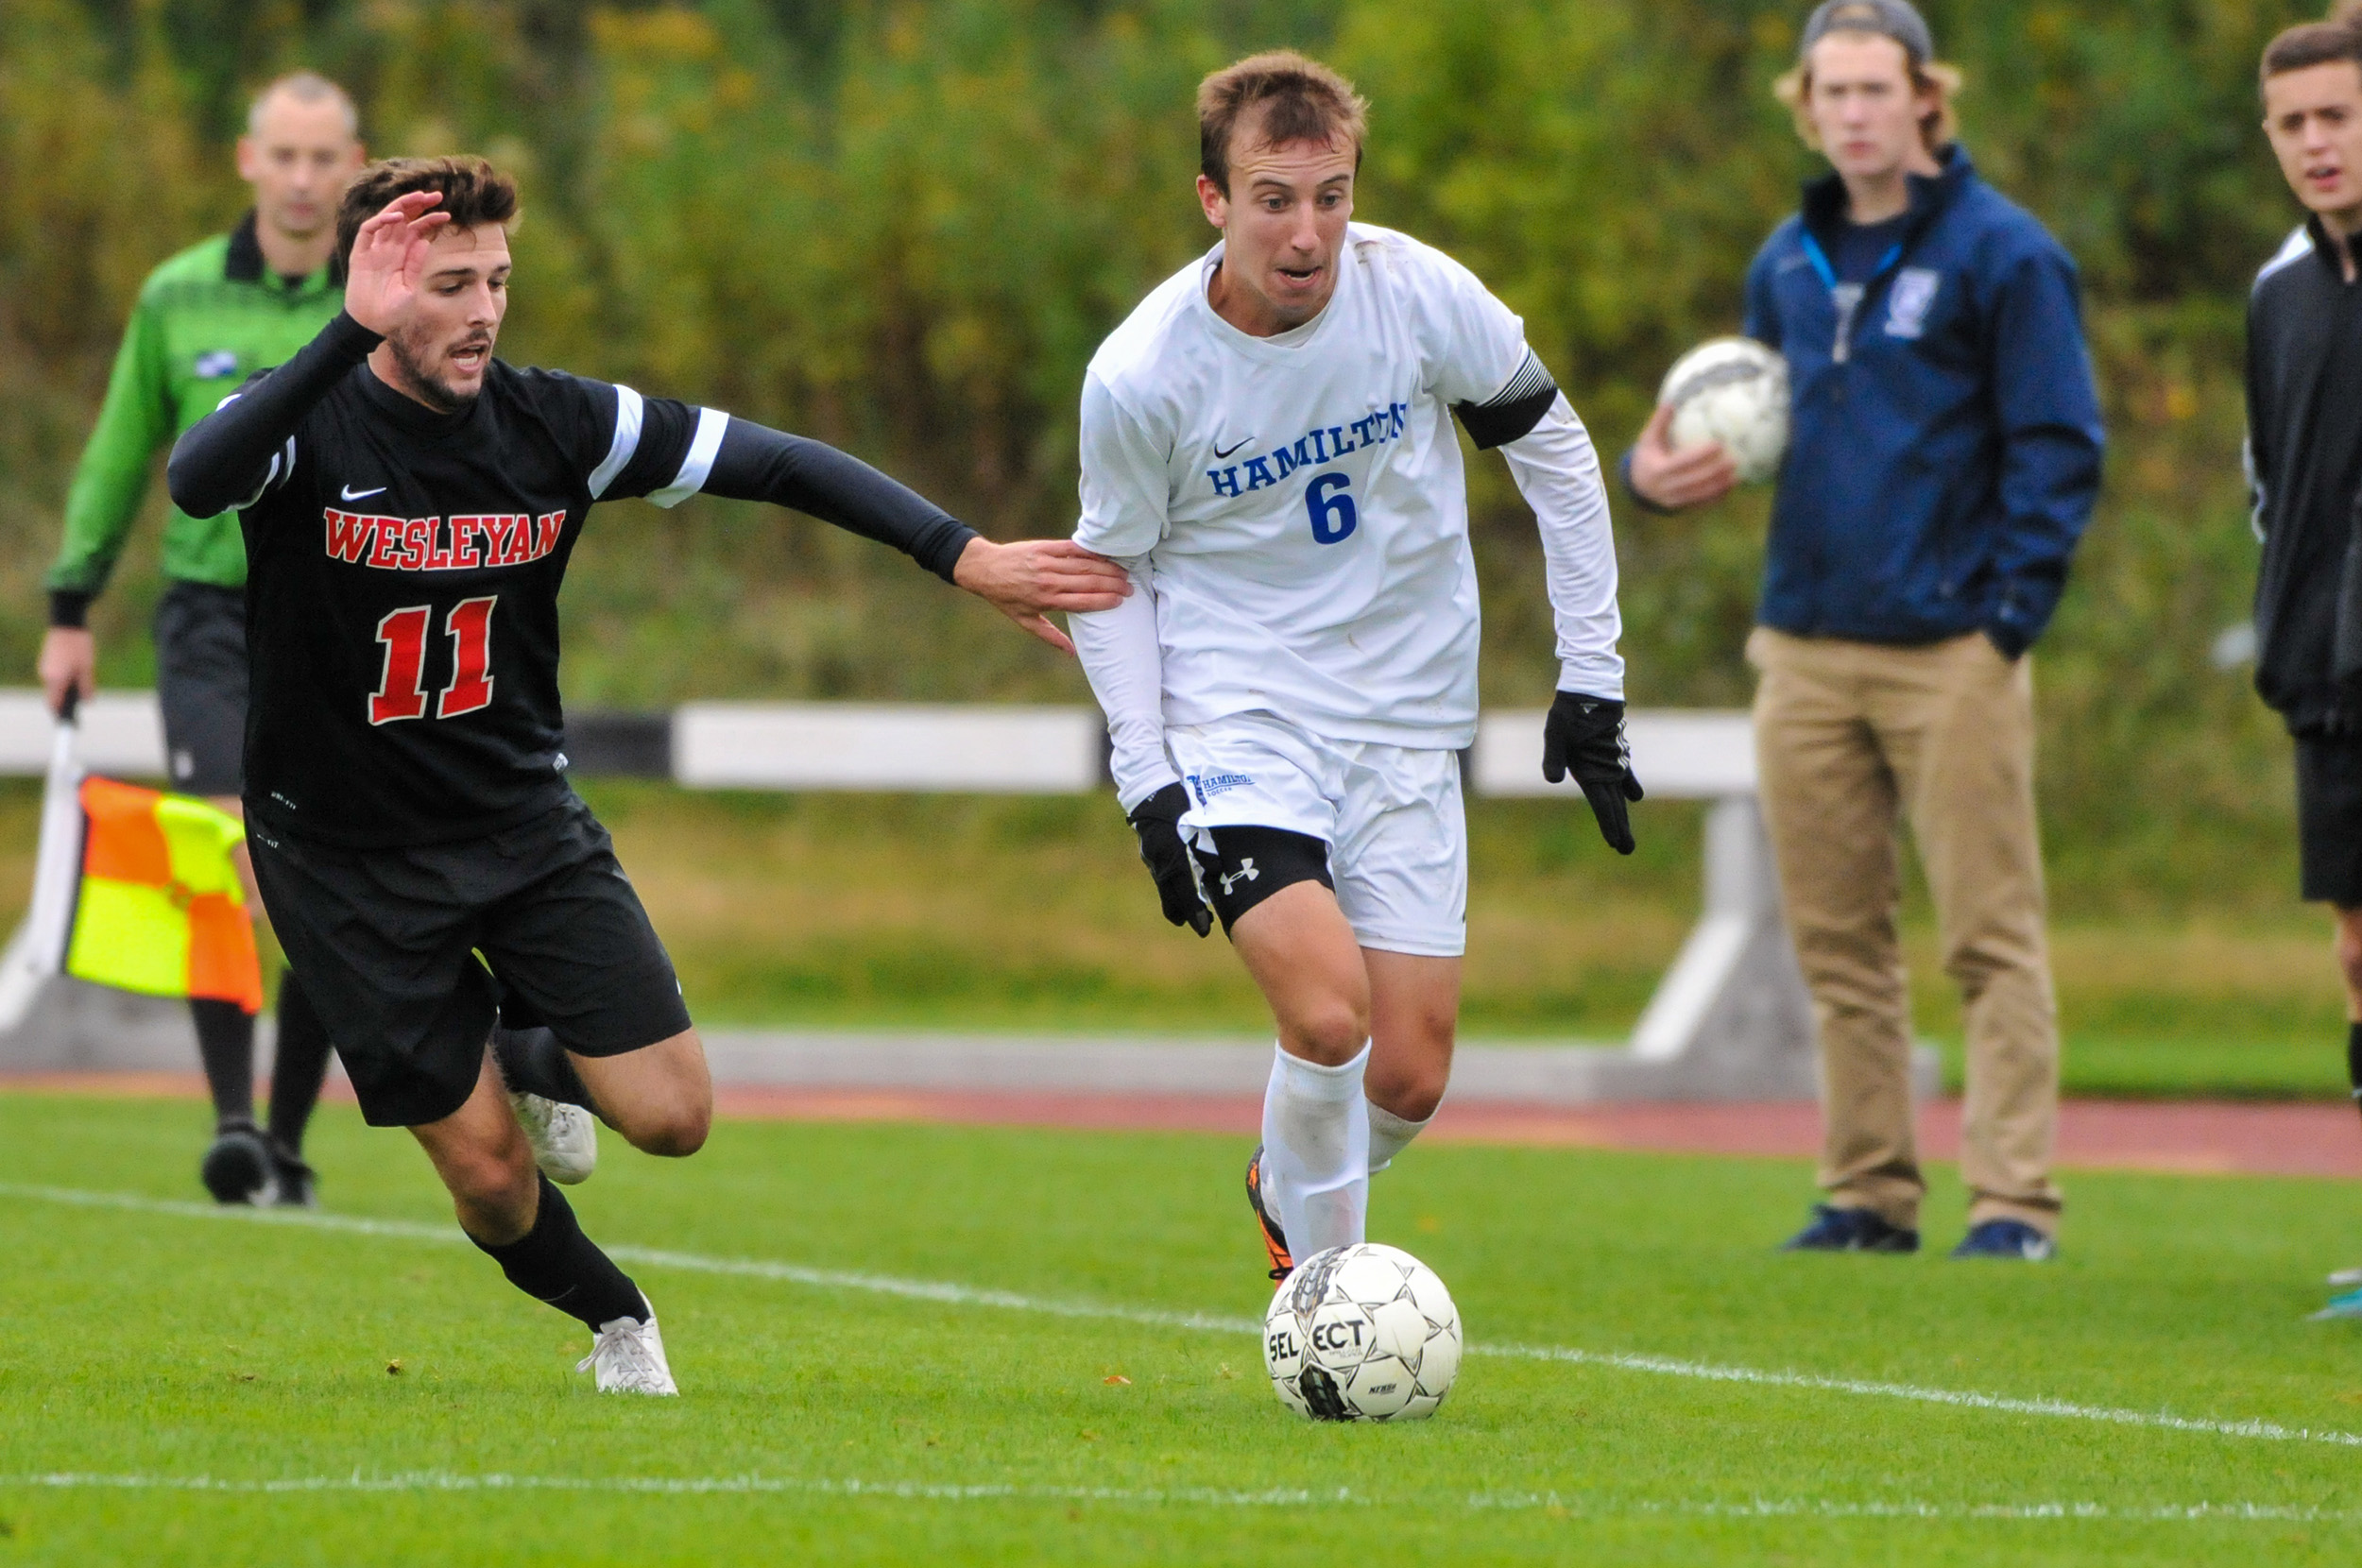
1297 504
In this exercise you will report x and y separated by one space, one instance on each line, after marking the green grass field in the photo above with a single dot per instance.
178 1387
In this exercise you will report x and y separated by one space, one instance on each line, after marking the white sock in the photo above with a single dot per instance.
1390 1135
1316 1147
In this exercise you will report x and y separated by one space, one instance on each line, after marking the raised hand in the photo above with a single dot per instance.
1026 580
388 258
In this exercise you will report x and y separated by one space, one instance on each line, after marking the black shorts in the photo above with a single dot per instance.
2329 817
200 685
387 943
1248 864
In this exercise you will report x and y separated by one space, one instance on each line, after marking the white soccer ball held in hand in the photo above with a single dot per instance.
1733 390
1363 1333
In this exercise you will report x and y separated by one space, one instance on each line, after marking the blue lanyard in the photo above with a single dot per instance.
1828 274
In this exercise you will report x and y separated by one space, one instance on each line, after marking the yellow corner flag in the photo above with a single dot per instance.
160 908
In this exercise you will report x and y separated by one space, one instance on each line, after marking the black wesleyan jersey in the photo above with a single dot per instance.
402 569
402 591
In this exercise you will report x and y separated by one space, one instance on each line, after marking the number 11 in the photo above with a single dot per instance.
401 691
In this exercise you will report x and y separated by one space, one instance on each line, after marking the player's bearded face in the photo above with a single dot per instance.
444 345
1283 223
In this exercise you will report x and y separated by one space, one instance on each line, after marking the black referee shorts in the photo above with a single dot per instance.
200 685
2329 817
387 941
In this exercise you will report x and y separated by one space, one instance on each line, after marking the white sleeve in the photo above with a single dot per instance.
1558 473
1125 486
1475 345
1125 665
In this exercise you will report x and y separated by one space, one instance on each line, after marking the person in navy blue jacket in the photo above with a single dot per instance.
1943 460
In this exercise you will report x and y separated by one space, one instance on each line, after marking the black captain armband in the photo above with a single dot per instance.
1514 411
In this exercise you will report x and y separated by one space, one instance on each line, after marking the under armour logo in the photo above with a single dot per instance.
1246 873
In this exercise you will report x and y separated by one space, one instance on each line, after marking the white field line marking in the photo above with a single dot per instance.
2162 1420
654 1257
962 1295
1287 1497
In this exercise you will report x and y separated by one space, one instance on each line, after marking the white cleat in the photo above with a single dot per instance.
565 1137
628 1356
2346 1279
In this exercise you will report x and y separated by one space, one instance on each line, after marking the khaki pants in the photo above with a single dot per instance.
1851 739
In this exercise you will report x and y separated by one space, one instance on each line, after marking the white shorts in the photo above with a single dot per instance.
1392 817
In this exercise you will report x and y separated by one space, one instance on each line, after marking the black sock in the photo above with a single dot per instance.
554 1262
2353 1059
225 1041
297 1068
532 1061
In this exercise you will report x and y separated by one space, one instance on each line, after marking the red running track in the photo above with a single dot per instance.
2202 1138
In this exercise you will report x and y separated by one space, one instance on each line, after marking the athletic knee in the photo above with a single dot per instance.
1330 1032
494 1179
674 1130
1411 1096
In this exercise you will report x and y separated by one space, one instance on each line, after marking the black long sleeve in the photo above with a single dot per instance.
225 459
756 463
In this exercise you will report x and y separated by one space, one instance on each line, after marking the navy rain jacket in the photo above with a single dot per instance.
1945 451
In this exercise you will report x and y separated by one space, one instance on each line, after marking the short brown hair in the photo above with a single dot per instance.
1939 127
474 192
1302 101
2311 43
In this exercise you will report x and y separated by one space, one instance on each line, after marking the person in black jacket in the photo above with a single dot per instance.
2304 461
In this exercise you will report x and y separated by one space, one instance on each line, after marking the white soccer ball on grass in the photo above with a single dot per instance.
1733 390
1363 1333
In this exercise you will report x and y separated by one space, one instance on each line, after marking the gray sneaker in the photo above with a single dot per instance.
565 1137
628 1356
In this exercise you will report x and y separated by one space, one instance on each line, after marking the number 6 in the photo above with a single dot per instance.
1332 515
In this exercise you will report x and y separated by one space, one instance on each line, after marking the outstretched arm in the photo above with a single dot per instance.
1023 581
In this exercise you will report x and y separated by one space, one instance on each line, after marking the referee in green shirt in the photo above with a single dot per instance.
205 321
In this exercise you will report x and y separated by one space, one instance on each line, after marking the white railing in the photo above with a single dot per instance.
1730 1018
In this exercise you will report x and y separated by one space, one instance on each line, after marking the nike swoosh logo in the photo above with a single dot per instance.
351 494
1220 454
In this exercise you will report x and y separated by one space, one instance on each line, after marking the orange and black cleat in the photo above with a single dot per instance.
1275 1240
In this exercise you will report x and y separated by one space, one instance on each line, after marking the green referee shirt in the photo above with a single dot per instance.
206 320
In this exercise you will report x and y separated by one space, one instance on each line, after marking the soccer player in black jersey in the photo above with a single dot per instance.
409 504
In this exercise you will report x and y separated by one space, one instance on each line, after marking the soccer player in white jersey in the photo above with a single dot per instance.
1267 446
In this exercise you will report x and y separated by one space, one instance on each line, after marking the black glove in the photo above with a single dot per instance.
1158 820
1584 735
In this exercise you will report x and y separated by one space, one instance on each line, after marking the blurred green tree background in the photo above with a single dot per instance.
904 226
